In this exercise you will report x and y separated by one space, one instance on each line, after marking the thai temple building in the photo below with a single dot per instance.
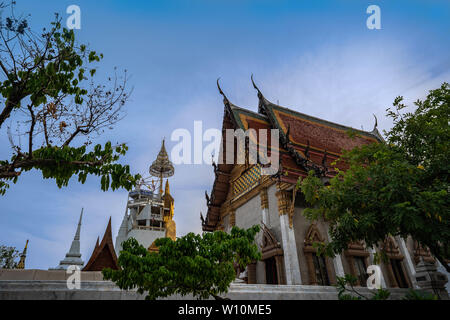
241 196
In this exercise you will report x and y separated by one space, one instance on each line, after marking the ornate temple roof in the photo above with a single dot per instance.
104 255
306 143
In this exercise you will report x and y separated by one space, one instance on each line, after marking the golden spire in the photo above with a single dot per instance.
162 167
171 227
168 202
21 264
167 189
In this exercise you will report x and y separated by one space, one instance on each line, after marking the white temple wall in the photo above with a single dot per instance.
145 237
248 215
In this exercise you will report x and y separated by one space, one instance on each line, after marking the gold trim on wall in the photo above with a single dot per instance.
232 221
264 198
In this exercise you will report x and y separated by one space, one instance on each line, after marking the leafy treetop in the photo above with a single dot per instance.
47 85
201 265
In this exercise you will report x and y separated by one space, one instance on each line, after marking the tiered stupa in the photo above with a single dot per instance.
73 257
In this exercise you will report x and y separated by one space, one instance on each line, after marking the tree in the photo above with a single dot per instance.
397 188
8 255
47 87
201 265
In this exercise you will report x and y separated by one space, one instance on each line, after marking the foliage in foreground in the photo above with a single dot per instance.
397 188
201 265
49 100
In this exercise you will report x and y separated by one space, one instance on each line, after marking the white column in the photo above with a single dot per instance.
290 252
337 262
265 216
408 262
372 253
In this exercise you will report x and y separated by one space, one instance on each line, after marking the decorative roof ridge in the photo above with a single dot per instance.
256 114
323 121
230 109
299 159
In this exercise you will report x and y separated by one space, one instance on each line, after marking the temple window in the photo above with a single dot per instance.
361 270
395 269
271 271
318 266
357 258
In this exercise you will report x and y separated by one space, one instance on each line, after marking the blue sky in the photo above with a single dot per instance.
317 57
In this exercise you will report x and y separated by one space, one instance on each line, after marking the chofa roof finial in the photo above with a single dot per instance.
208 199
375 131
201 218
376 122
220 91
